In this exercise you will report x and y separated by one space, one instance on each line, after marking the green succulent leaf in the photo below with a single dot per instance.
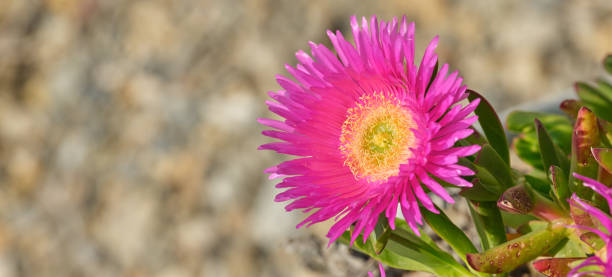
488 221
607 62
405 250
526 147
533 225
490 160
560 189
485 186
478 192
542 187
382 233
491 125
595 100
509 255
516 220
605 89
550 152
603 156
449 232
566 249
558 130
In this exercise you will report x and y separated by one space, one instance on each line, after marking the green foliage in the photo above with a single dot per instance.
449 232
596 99
508 256
405 250
488 222
608 63
560 189
551 153
491 125
552 127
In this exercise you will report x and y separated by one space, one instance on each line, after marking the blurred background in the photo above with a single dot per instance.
128 135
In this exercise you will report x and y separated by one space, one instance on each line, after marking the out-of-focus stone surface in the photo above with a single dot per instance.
128 132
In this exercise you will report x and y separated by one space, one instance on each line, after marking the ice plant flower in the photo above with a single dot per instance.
370 129
602 257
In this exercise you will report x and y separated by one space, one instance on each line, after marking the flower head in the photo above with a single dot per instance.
602 257
370 128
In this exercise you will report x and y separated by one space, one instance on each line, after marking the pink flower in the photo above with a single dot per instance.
601 259
369 132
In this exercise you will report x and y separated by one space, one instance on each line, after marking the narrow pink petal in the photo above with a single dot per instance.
422 196
275 124
435 187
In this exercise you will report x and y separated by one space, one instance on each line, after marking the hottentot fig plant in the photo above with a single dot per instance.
374 135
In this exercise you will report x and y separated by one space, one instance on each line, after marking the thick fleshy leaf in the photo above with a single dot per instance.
558 127
508 256
607 62
407 251
526 147
382 233
449 232
595 100
491 125
522 122
437 264
585 136
605 89
554 267
532 226
549 151
485 186
605 129
478 192
513 220
489 159
388 257
560 189
603 156
489 224
539 185
567 248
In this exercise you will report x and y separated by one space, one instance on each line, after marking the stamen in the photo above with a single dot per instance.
376 137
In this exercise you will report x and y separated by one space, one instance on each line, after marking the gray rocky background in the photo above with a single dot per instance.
128 135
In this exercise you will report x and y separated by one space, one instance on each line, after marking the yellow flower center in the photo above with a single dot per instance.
376 137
